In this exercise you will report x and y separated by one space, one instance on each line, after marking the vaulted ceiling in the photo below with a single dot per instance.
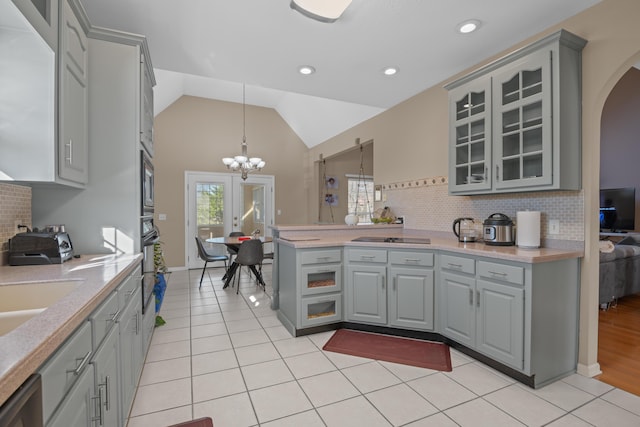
209 48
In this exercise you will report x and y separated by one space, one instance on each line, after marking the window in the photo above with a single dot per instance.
360 198
210 204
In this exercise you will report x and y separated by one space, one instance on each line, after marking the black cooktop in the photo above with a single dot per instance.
412 240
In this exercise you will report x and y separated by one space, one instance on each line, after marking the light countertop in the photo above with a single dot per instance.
24 349
317 236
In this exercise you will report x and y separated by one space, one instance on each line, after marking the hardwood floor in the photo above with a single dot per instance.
619 344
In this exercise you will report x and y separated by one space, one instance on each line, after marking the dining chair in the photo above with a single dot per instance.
208 257
232 251
251 255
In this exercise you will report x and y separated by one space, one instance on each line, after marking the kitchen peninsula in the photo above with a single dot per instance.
514 309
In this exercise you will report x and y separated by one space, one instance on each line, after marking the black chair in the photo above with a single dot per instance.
267 255
251 255
207 257
232 251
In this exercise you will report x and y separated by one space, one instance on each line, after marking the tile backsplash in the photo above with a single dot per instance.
427 205
15 208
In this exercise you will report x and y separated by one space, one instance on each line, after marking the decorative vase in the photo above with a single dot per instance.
351 219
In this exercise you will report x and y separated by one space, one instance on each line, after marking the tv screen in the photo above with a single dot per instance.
618 209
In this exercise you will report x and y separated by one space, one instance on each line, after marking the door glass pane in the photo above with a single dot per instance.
252 209
210 213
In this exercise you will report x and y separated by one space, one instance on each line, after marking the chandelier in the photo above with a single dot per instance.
243 163
321 10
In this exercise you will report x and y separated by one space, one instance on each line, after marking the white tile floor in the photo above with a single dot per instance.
228 357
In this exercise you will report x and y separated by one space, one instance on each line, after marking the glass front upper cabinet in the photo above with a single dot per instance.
471 133
515 123
522 127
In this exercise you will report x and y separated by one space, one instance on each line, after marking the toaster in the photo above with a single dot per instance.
34 248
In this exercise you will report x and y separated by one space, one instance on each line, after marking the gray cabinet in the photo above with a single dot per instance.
77 409
524 316
366 297
61 372
146 114
91 378
310 287
470 136
394 288
73 90
45 137
107 380
131 352
483 314
411 295
515 123
115 90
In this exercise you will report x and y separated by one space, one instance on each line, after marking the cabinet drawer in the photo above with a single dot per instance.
128 287
321 257
459 264
367 255
103 319
61 372
507 273
319 279
423 259
320 310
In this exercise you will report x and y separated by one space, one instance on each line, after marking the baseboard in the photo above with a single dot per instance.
589 370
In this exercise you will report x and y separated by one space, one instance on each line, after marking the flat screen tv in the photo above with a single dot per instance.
618 209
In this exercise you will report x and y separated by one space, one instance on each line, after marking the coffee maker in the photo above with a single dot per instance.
465 230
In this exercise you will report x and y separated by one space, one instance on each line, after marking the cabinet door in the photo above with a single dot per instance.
411 298
77 407
148 326
130 351
146 115
367 294
73 115
522 123
107 380
457 307
470 137
500 322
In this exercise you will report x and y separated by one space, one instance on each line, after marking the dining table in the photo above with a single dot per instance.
234 242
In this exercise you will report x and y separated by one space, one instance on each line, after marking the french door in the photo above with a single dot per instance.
219 203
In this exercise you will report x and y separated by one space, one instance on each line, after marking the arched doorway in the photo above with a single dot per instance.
619 324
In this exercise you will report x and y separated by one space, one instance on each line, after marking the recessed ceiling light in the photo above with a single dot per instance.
390 71
468 26
306 70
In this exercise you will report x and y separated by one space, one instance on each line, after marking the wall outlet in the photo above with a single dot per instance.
162 217
554 226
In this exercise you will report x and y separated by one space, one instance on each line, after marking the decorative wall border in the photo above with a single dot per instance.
416 183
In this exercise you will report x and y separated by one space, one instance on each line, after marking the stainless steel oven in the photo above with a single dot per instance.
149 235
147 195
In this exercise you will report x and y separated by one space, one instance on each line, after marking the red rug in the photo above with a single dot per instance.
407 351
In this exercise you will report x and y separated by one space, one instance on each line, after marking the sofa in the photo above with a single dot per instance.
619 270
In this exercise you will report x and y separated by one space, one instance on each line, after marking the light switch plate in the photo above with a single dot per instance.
554 226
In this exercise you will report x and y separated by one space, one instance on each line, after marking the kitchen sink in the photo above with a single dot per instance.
411 240
20 302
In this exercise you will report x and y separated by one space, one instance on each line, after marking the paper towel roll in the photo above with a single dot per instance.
528 231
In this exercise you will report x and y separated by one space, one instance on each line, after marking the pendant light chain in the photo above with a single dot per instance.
326 188
360 182
243 163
